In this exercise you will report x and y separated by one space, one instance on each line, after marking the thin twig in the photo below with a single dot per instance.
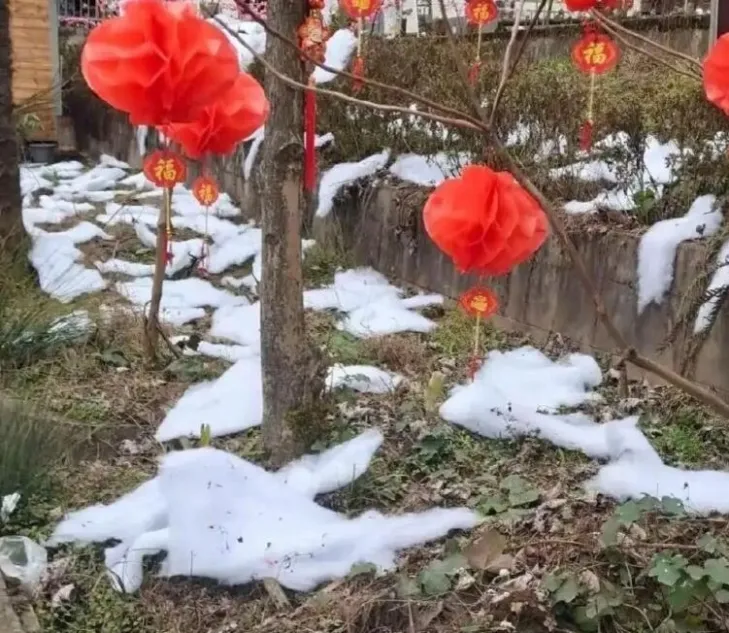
507 59
601 17
243 4
626 42
460 122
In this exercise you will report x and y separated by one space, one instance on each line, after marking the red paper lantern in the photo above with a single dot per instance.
360 9
221 126
480 12
159 62
595 53
205 190
716 74
479 302
485 221
164 169
580 5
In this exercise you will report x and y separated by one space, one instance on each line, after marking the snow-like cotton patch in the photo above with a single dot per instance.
184 254
235 250
339 49
241 324
219 516
55 259
123 267
384 317
637 475
362 378
344 174
518 393
229 404
718 284
429 171
658 246
178 293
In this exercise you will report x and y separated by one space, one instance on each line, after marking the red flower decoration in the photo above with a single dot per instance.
485 221
356 9
716 74
221 126
159 62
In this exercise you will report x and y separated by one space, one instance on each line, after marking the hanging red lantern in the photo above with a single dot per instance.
716 74
358 10
165 169
228 121
580 5
594 54
479 13
159 62
205 190
485 221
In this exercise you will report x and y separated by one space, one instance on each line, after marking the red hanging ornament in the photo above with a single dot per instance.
485 221
164 168
159 62
359 10
479 302
205 190
479 13
225 123
594 54
312 41
716 74
580 5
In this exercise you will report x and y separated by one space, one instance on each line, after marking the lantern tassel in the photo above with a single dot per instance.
475 70
586 129
310 138
167 201
358 66
475 363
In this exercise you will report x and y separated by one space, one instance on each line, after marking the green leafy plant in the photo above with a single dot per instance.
511 501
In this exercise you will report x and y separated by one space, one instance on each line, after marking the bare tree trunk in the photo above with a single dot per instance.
151 327
290 366
11 219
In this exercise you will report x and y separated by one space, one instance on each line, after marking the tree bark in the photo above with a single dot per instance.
11 219
290 366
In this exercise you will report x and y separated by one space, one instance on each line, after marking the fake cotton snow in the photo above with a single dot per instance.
344 174
218 516
658 246
363 378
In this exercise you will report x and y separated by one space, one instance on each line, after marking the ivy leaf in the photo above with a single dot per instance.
493 505
695 572
671 505
361 569
436 577
708 543
717 570
568 591
609 535
407 587
682 595
666 570
722 596
552 582
627 513
523 498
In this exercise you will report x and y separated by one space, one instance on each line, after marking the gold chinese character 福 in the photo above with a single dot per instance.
361 5
595 54
165 170
482 13
480 303
206 193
